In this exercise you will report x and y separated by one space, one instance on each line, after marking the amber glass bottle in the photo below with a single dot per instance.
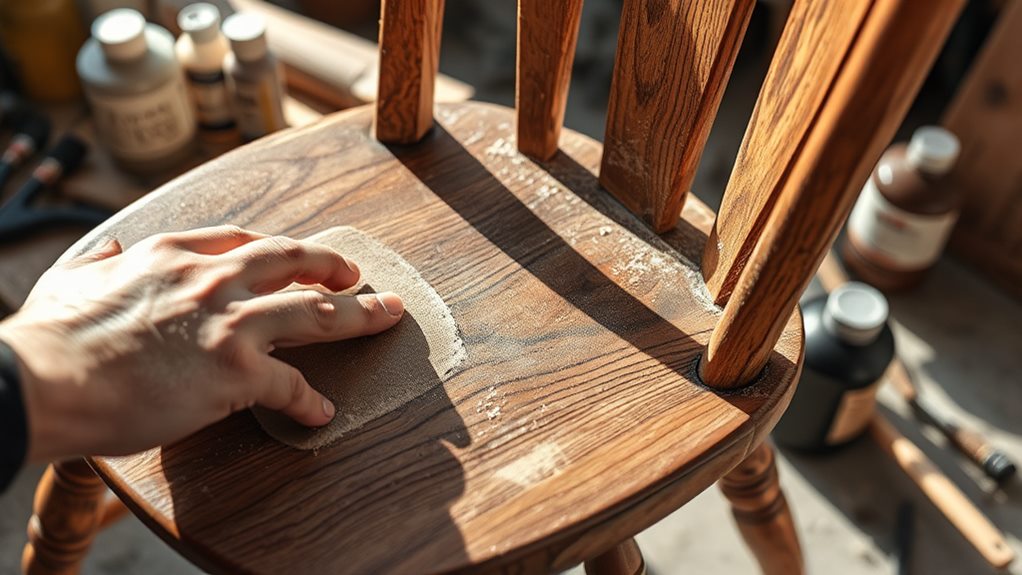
905 213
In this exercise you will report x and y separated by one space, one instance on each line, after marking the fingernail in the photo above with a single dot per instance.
326 307
351 266
391 302
328 408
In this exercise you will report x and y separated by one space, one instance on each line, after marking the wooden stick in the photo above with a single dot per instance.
547 34
812 47
672 65
334 67
976 528
409 59
877 82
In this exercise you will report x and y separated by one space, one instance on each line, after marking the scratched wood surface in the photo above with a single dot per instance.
547 34
409 61
808 57
673 61
575 421
876 84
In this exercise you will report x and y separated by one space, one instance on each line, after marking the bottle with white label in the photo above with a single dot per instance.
201 49
136 90
848 348
905 213
255 78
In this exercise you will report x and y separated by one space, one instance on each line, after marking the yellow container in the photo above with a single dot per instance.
42 38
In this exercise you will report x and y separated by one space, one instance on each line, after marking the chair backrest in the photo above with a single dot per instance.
841 80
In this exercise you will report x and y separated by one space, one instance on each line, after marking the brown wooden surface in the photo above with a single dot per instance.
409 60
875 85
66 516
986 115
762 514
673 61
802 71
547 33
625 558
575 422
944 494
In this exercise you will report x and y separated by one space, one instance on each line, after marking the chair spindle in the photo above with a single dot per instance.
815 41
409 60
547 34
875 86
673 61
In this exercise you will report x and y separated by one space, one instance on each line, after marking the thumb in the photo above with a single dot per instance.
285 389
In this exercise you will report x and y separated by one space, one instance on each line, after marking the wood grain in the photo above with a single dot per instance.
815 41
547 34
66 515
944 494
986 115
874 87
625 558
575 421
409 61
761 511
673 61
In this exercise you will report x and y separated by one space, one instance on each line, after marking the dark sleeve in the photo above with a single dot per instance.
13 426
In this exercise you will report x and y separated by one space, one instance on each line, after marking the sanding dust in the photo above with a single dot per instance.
371 376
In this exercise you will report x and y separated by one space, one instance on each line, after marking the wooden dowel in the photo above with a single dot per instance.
877 82
808 57
409 60
547 34
672 65
112 512
972 524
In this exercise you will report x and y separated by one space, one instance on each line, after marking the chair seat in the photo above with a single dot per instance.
577 411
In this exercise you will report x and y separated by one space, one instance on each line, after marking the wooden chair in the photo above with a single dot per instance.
623 390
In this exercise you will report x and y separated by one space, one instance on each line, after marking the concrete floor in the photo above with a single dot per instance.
959 337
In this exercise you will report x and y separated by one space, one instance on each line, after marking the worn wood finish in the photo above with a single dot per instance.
673 61
409 60
624 558
582 328
67 512
808 56
547 34
762 514
986 115
876 84
944 494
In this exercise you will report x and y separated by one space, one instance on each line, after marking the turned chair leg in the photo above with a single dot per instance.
762 513
624 559
69 505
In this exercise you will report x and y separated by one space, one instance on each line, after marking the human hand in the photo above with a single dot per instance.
120 352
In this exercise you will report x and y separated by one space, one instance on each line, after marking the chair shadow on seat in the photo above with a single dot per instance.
461 181
375 500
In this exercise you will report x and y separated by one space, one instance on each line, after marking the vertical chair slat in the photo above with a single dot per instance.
815 41
547 34
409 59
874 87
673 61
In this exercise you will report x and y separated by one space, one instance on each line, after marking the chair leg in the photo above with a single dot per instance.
624 559
69 504
762 513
